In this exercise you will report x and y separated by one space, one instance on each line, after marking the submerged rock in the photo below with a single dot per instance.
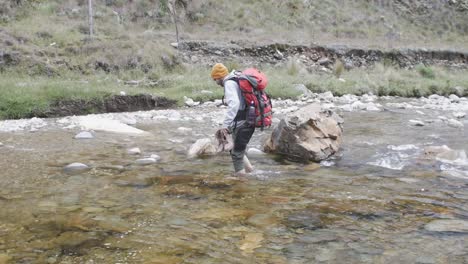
454 123
254 152
309 134
201 147
416 123
447 225
84 135
134 151
146 161
76 167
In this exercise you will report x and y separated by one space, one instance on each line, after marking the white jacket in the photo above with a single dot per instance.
234 100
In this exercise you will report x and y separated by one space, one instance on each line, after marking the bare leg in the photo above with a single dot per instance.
247 165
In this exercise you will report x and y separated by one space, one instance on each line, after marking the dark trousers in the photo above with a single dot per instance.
241 136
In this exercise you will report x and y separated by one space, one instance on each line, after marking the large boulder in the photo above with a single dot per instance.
309 134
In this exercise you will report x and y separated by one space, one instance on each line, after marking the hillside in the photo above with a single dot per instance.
47 56
54 32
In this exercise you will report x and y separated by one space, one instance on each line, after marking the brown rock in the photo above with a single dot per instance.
309 134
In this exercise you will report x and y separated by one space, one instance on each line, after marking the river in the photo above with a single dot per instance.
379 200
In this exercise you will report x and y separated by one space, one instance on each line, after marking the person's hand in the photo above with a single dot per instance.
224 130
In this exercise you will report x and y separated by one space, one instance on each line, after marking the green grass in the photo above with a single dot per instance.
23 95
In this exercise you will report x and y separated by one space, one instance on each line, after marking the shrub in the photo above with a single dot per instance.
426 72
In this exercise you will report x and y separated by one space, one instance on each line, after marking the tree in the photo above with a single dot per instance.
173 5
172 9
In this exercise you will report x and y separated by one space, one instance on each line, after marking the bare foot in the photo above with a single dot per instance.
241 173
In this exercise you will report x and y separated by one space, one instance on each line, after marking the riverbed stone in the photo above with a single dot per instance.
459 114
416 122
447 225
254 152
309 134
202 147
84 135
76 167
145 161
134 151
454 123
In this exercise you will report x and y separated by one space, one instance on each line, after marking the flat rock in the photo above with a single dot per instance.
449 225
84 135
146 161
416 123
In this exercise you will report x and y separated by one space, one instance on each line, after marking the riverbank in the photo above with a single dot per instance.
69 93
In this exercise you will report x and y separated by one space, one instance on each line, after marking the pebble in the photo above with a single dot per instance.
84 135
76 167
1 144
416 123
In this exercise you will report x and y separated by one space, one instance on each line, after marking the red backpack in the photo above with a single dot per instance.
252 84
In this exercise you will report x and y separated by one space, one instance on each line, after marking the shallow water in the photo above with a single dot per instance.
370 204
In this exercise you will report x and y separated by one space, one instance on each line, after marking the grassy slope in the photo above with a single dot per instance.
58 63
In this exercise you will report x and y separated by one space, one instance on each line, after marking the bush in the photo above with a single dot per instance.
426 72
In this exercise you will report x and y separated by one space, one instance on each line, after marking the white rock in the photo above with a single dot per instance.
326 95
174 116
155 156
127 120
201 147
134 151
454 98
372 107
1 144
189 102
184 129
254 152
459 114
347 108
76 167
416 123
420 112
454 123
368 98
358 105
447 225
100 122
84 135
145 161
123 93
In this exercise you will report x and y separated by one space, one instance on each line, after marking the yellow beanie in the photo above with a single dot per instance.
219 71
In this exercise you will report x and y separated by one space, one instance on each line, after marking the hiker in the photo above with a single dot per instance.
235 118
